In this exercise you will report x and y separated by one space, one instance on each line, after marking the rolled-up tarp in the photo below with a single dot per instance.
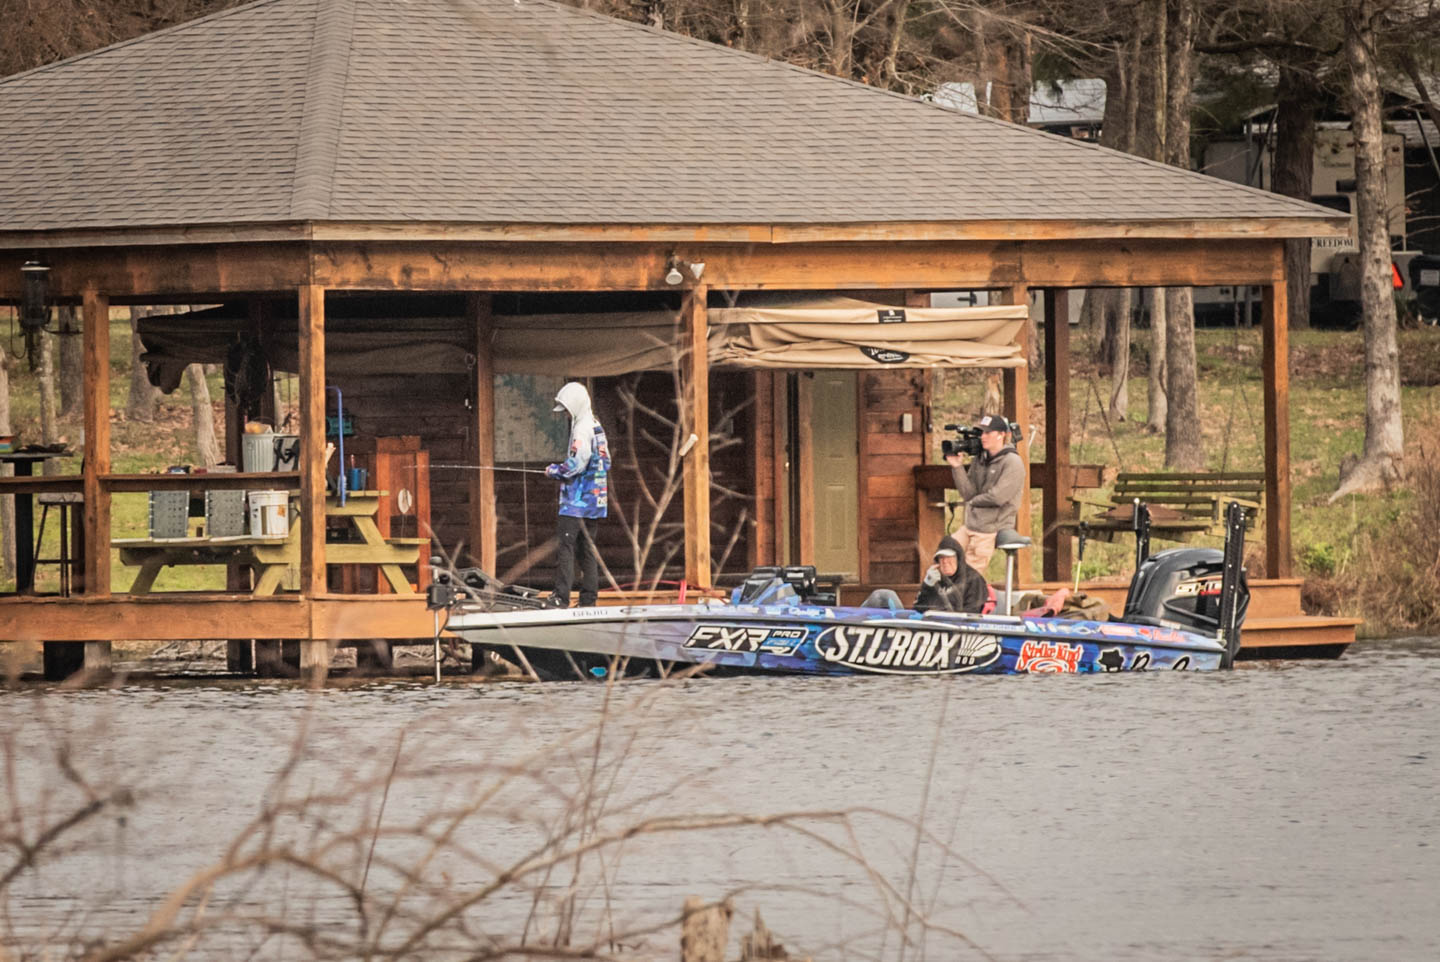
794 332
848 333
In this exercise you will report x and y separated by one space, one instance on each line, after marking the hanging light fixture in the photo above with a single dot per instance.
35 305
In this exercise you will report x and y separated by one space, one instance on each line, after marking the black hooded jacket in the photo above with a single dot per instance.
966 591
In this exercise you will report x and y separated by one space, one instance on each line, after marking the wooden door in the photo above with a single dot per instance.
836 473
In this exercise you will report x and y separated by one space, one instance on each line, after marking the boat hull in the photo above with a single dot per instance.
594 642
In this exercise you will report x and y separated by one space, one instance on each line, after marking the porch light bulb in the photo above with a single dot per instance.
673 275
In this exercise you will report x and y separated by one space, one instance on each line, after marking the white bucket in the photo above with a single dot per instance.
269 514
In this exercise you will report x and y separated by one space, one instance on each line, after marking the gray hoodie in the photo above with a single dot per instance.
991 488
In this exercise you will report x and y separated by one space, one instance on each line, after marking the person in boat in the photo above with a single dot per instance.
584 496
950 584
991 486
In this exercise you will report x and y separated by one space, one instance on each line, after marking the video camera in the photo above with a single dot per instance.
967 440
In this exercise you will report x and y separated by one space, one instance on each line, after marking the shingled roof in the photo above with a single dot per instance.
516 112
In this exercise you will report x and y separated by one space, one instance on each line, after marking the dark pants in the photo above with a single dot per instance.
574 534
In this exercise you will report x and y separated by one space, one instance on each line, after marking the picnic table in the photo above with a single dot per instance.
357 541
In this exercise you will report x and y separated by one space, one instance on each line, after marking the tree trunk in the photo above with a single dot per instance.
1381 462
7 502
205 441
1118 302
1183 443
1297 100
72 362
1112 306
48 431
144 396
1156 418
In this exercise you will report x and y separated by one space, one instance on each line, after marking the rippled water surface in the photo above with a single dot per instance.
1286 810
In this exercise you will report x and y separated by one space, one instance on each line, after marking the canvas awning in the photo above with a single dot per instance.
826 332
805 332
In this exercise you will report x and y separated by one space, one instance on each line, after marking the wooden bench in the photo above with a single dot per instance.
1181 505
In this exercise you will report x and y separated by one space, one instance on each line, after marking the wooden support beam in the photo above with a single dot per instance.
1276 363
483 523
780 465
1017 408
760 447
97 442
695 419
312 439
802 548
1057 549
189 272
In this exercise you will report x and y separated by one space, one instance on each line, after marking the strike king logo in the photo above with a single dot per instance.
1049 657
897 650
779 641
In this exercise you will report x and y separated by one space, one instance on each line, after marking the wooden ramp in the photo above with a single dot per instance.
1275 627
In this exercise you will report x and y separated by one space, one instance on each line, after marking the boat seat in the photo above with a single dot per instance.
1008 539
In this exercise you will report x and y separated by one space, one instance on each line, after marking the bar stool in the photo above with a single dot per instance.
1010 541
71 552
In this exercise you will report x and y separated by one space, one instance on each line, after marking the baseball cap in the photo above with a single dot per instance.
992 422
945 553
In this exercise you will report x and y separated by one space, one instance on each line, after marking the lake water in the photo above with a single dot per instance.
1283 811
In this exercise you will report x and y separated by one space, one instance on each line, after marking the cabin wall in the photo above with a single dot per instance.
888 456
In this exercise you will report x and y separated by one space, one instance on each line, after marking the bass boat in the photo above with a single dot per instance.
1183 612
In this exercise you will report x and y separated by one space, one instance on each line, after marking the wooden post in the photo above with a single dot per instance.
483 518
780 464
695 416
760 446
1276 362
704 930
312 440
1057 549
1017 409
802 471
97 443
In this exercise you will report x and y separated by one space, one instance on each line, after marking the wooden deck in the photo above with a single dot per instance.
1275 626
77 632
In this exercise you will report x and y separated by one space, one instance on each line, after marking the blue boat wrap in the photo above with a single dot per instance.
807 639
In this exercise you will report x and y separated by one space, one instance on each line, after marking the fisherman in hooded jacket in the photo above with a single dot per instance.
584 494
950 584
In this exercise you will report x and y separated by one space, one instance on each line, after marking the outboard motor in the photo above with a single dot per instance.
1198 589
1181 588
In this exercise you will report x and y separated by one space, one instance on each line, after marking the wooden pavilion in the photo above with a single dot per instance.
304 158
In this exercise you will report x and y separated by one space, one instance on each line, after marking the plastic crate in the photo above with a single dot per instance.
224 514
169 514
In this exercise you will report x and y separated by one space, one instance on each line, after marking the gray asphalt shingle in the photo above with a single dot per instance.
525 111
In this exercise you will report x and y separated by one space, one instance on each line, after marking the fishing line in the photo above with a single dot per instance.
483 467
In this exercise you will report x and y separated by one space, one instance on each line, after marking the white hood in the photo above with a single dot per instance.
574 398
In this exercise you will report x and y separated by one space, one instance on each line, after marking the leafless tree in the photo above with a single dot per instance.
144 397
1381 461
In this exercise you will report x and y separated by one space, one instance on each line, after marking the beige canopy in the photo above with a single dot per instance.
832 332
794 331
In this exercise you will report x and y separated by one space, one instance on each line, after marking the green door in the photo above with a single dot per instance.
837 473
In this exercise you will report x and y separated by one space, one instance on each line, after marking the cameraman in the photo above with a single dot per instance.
991 487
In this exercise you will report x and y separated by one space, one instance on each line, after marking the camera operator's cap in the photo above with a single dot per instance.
992 422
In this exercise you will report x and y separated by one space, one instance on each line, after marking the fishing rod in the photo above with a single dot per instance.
484 467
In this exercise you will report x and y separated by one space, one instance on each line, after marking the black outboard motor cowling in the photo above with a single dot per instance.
1180 588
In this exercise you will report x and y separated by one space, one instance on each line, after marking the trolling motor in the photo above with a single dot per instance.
1196 589
453 586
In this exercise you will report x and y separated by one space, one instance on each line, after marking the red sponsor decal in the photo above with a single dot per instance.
1049 657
